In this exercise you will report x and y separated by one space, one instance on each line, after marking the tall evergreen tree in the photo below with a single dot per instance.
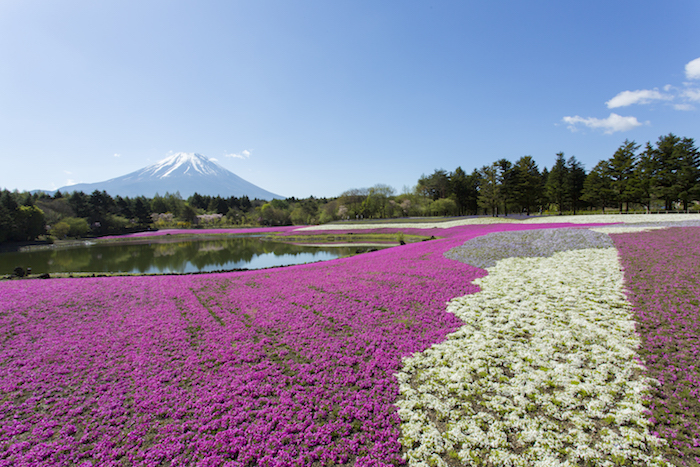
557 181
489 189
575 177
9 230
528 186
463 189
640 185
667 164
79 202
621 167
506 182
597 188
688 176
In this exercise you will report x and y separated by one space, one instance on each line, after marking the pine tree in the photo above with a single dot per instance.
556 186
528 184
621 168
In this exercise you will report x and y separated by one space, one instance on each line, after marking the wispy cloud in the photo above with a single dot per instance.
117 155
642 96
67 172
692 69
683 107
692 94
245 154
214 159
679 97
612 124
70 182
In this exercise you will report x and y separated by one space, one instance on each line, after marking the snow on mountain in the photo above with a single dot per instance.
186 173
179 164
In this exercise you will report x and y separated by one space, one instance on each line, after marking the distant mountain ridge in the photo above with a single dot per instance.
184 172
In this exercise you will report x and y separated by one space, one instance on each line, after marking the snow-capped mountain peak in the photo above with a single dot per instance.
188 163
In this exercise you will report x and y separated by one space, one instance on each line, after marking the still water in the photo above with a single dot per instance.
170 256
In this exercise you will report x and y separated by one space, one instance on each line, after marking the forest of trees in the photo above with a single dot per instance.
660 176
663 176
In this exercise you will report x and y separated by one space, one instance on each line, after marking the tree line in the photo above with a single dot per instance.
26 216
664 175
661 176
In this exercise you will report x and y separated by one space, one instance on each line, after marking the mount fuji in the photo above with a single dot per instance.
184 172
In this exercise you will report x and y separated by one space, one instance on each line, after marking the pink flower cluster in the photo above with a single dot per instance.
661 272
283 367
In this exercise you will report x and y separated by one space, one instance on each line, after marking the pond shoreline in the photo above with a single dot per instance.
248 259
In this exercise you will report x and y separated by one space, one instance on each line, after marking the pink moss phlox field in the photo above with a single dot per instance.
281 367
662 276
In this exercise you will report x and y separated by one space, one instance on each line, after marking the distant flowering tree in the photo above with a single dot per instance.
405 206
209 219
162 219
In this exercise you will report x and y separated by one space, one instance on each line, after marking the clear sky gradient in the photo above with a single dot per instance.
316 97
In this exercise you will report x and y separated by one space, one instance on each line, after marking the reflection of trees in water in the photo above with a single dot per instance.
164 250
70 260
208 247
225 253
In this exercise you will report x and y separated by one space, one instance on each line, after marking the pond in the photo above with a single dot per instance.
168 255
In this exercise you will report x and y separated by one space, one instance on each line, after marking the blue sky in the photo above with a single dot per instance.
315 97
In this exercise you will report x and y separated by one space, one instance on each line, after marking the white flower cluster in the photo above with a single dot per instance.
580 219
613 229
413 225
614 218
543 373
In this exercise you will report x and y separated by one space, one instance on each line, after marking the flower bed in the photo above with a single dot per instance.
279 367
487 250
661 273
296 366
543 372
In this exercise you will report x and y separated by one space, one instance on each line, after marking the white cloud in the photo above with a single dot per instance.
245 154
692 94
67 172
692 69
642 96
684 96
117 155
612 124
214 159
70 182
683 107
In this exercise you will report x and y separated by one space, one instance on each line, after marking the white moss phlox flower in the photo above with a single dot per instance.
544 372
625 229
580 219
614 218
413 225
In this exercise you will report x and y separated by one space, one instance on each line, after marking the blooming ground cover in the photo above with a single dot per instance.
662 271
544 370
290 366
539 220
297 366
